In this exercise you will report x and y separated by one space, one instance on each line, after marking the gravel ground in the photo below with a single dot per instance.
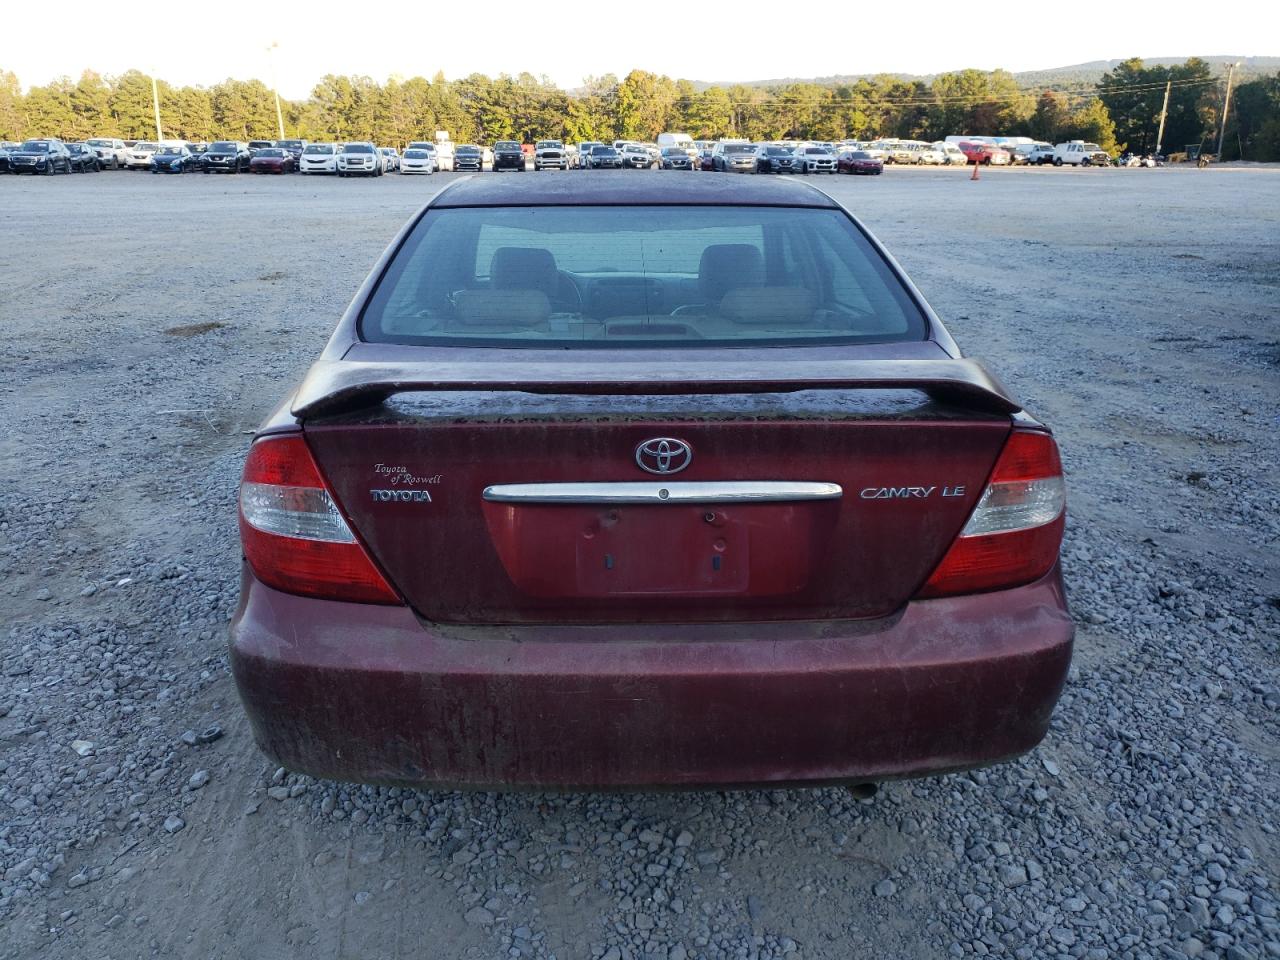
1134 310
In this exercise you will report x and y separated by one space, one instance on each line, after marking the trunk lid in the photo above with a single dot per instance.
412 473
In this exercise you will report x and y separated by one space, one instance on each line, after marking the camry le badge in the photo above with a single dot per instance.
663 455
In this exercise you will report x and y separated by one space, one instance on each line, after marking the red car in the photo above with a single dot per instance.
645 483
984 153
859 161
272 160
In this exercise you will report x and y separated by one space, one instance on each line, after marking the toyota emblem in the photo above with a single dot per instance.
663 455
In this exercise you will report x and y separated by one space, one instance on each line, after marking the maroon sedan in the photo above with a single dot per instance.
272 160
859 161
646 483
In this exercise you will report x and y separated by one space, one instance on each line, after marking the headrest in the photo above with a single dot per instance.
728 265
776 305
523 268
501 308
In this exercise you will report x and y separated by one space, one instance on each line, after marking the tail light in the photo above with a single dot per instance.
1015 532
294 536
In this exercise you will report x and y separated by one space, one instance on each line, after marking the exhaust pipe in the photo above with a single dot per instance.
863 791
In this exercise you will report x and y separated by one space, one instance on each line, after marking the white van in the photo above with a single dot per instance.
1078 153
444 150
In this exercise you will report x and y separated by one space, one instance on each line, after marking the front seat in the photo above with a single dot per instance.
525 268
728 266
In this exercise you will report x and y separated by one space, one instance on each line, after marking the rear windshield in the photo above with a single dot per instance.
601 276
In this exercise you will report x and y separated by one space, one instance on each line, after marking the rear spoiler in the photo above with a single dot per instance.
337 386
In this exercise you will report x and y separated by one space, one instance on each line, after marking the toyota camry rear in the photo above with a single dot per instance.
646 483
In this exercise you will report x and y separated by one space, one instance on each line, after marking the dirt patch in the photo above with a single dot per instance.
194 329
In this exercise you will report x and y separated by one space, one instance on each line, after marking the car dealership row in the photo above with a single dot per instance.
672 151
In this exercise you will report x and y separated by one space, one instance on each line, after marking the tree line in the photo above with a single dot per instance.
1121 111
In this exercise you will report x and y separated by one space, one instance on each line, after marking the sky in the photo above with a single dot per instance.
193 44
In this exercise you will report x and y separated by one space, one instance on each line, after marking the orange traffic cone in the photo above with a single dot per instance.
975 171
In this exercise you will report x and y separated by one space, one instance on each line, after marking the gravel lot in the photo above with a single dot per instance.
1134 310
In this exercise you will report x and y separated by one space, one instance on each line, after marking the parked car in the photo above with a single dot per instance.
359 159
494 592
197 149
816 160
983 153
1040 154
707 158
83 159
859 162
734 156
951 154
550 155
272 160
255 145
605 157
1078 153
47 157
110 151
138 157
418 160
319 158
635 156
468 157
681 140
226 156
929 155
6 147
295 147
172 159
676 158
584 153
445 155
776 158
507 155
390 159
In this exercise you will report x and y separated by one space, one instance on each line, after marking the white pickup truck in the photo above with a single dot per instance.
550 155
109 151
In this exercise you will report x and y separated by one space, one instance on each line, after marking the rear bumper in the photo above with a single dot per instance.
371 694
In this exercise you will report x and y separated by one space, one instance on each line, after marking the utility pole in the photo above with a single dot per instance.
275 88
155 99
1163 112
1226 105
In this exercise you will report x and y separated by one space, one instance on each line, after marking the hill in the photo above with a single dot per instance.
1074 75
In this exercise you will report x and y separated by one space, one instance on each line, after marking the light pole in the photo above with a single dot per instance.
155 99
1226 105
275 88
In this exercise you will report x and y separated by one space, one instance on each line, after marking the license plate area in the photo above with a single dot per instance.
671 550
